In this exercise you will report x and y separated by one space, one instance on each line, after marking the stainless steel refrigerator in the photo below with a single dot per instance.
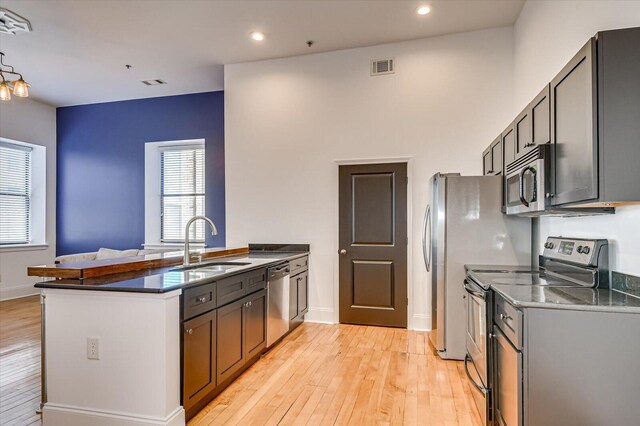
464 224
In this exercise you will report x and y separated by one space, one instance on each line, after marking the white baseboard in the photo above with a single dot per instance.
320 315
8 293
421 322
62 415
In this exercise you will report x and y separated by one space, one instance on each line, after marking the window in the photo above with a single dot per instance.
15 193
182 193
174 192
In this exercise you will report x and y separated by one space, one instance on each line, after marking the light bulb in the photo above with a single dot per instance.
257 36
5 91
21 88
423 10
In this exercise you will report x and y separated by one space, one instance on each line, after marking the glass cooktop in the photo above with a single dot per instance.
521 278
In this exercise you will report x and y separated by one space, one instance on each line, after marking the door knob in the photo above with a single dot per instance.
189 331
342 252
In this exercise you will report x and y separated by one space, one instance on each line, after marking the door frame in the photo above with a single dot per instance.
408 160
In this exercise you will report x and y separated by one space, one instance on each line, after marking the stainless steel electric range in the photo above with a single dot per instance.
567 266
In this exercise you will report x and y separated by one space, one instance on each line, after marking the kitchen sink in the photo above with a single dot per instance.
210 266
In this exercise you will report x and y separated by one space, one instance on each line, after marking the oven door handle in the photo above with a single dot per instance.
482 389
469 289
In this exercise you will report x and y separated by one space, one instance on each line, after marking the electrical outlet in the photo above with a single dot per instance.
93 348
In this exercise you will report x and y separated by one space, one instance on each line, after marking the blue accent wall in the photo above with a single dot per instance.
100 166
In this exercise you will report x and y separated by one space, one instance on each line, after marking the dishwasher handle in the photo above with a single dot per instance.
278 272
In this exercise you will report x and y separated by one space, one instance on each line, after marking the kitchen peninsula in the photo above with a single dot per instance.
160 343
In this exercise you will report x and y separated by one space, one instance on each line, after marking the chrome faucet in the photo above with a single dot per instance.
214 231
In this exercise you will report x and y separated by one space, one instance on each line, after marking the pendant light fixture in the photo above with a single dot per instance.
19 87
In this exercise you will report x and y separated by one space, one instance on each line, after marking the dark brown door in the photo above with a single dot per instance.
373 244
231 351
255 326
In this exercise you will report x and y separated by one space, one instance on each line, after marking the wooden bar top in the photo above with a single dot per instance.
98 268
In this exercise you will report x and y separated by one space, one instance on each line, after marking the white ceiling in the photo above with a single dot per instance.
77 51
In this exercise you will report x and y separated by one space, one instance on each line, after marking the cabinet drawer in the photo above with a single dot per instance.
198 300
256 280
299 264
230 289
509 319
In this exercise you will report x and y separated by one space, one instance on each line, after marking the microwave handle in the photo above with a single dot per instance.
523 200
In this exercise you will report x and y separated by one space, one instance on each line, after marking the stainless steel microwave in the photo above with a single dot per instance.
527 182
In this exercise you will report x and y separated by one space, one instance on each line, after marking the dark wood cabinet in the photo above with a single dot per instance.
522 133
231 350
199 358
492 158
303 293
255 325
242 333
298 291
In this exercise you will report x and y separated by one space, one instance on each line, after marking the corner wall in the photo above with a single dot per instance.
289 120
546 35
26 120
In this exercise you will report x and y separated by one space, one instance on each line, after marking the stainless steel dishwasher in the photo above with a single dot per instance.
278 302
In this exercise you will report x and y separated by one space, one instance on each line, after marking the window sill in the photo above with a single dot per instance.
177 246
23 247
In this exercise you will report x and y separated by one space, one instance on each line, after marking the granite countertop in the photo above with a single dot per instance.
570 298
559 295
170 279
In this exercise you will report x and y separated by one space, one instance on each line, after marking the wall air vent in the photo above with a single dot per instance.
155 82
382 66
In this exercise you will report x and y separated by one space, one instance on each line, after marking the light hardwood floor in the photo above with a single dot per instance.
347 374
320 374
20 361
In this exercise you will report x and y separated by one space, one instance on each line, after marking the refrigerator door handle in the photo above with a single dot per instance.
426 223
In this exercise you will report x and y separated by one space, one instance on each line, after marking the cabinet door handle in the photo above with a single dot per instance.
202 299
189 331
504 317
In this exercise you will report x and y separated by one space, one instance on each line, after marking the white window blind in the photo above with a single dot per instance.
182 192
15 194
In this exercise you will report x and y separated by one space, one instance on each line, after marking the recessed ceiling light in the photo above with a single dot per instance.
257 36
423 10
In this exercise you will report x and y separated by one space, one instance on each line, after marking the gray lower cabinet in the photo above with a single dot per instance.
199 358
508 383
557 367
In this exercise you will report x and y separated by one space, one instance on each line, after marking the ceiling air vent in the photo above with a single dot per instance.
153 82
382 66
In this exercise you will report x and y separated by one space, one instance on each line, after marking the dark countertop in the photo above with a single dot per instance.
167 279
565 296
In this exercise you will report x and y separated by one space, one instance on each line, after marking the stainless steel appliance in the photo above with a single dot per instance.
495 368
278 302
464 224
528 187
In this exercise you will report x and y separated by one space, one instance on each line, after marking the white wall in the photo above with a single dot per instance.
26 120
288 120
546 35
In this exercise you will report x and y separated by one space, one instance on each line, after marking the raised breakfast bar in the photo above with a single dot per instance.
160 341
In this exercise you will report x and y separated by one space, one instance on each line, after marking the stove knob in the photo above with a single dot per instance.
586 250
551 245
579 249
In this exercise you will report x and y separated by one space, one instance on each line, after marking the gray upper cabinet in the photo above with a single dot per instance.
540 116
492 162
509 144
595 123
522 132
573 133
